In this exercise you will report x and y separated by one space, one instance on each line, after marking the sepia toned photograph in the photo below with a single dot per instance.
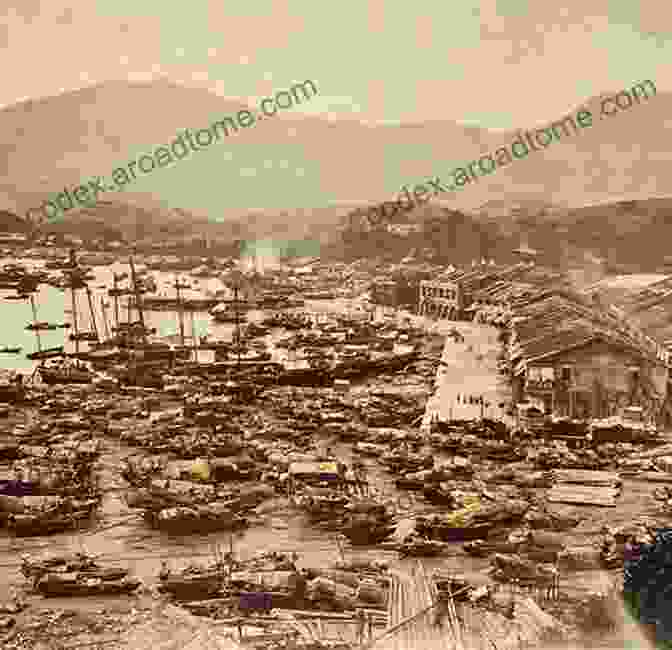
336 326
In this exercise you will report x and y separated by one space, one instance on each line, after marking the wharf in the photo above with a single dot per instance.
469 368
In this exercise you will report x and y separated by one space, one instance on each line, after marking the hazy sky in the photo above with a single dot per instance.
495 63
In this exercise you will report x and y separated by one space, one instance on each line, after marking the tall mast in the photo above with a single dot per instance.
74 310
75 282
104 313
116 300
93 314
237 312
37 331
193 335
138 297
180 308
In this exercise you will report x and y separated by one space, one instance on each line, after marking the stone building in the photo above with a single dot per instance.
441 299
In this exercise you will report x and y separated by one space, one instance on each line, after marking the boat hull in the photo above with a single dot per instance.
87 587
196 587
185 525
52 377
462 534
35 526
49 353
368 536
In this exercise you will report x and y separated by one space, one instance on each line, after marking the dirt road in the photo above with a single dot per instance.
469 368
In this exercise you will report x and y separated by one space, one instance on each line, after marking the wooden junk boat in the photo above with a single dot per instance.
96 583
448 532
474 521
48 353
77 576
45 326
226 312
193 583
323 504
52 521
184 520
319 489
66 375
418 547
368 523
287 321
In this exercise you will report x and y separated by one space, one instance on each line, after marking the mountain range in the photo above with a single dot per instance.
295 176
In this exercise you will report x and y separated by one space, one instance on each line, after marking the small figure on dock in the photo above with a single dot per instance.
360 616
164 573
369 624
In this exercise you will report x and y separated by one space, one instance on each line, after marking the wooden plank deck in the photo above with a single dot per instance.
412 595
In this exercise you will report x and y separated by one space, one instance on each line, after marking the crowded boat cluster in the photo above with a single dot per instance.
494 444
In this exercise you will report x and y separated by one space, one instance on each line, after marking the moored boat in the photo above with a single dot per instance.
84 336
48 353
369 522
368 535
193 584
195 519
42 326
449 532
85 584
34 525
66 375
227 313
422 548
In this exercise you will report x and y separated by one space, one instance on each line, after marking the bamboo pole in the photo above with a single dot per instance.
406 621
74 310
116 300
92 311
105 322
37 331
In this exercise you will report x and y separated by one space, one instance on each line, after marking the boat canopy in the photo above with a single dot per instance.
313 469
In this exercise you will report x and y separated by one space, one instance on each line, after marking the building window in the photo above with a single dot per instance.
566 374
534 374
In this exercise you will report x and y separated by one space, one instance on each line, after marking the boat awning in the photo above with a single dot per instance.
313 468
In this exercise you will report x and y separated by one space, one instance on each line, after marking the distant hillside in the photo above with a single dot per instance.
446 236
304 162
583 199
624 236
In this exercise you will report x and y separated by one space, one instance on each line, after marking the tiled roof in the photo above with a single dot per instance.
555 324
